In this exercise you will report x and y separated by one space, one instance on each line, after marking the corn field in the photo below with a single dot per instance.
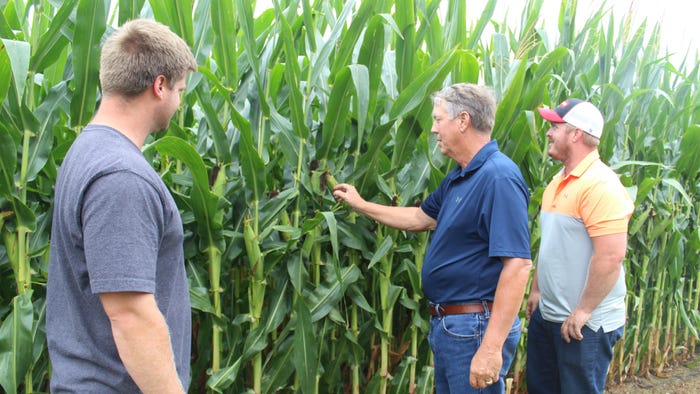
291 291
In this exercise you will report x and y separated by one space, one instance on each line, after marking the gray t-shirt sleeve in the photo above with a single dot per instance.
122 227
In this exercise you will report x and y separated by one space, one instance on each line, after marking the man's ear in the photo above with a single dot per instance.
159 85
577 134
464 120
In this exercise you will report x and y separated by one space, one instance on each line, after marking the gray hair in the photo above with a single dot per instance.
476 100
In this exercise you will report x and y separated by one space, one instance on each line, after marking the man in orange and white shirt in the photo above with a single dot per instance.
576 305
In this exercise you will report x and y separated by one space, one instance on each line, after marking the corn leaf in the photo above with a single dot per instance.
90 25
47 115
416 91
204 202
336 122
509 101
177 14
326 297
279 371
16 343
203 37
218 133
405 43
55 39
8 162
223 17
331 41
368 9
18 54
484 18
26 219
5 72
456 26
252 166
688 164
129 9
305 354
293 76
372 56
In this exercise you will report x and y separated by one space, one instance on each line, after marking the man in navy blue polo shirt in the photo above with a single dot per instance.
478 262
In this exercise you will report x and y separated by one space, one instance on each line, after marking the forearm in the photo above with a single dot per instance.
533 298
143 342
604 271
147 355
402 218
534 286
602 276
507 302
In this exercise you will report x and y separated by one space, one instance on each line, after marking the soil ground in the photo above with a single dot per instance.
681 379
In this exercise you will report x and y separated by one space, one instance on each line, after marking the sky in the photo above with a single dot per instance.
680 27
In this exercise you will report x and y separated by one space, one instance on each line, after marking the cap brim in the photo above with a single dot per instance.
550 115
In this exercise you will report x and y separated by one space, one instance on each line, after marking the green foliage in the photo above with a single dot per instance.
16 343
291 291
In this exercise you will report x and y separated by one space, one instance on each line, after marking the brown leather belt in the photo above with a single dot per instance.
458 309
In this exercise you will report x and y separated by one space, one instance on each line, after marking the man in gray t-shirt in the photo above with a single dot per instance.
118 312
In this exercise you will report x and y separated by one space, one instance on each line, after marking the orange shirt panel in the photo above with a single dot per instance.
593 193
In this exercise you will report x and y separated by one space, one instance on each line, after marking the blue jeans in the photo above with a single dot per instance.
554 366
454 340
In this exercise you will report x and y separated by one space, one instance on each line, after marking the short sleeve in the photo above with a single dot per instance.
606 207
122 224
432 204
508 228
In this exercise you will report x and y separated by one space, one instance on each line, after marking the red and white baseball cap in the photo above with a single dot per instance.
578 113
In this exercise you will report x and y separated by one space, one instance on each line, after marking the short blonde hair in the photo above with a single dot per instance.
137 52
590 140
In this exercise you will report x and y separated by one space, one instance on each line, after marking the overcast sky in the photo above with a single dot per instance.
680 25
679 19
